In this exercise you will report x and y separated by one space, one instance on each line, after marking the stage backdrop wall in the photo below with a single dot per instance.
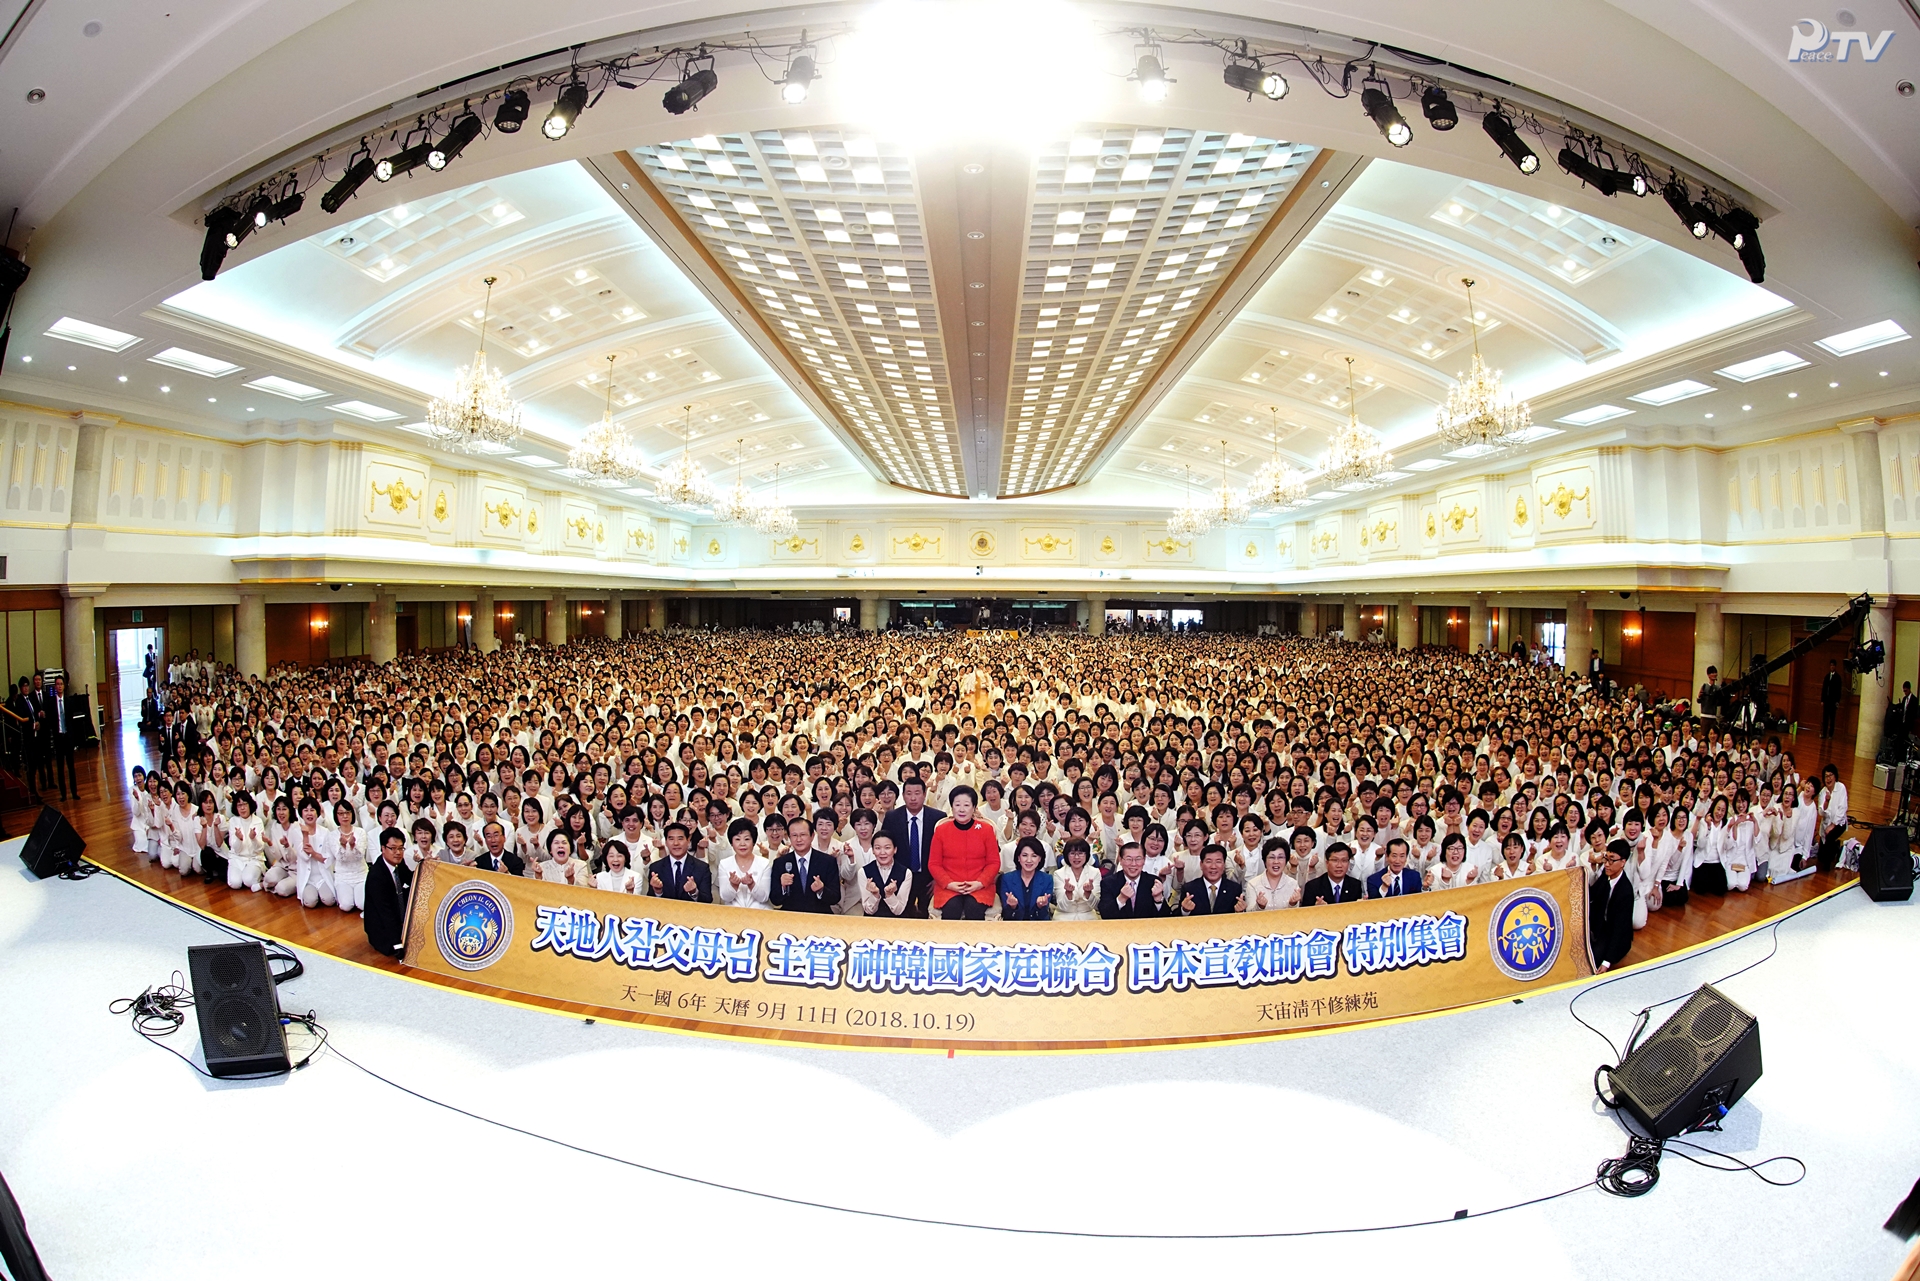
1034 986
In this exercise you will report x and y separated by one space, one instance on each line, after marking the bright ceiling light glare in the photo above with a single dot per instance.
798 80
1386 117
928 72
513 111
1150 78
1438 109
567 106
463 131
1500 128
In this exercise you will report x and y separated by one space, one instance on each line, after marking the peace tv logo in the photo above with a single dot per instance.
1525 934
1810 41
473 925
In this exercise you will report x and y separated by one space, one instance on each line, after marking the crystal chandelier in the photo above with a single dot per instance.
1229 506
1278 484
1355 456
773 519
604 452
1189 521
737 505
1476 412
478 413
684 483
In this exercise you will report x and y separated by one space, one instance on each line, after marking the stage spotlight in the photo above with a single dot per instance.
1250 78
287 206
1604 179
687 95
260 209
405 160
1385 116
464 131
1438 109
799 79
359 169
1150 78
566 109
213 251
513 111
1691 216
1739 228
1512 145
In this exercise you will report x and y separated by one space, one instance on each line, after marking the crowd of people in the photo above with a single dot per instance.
1048 776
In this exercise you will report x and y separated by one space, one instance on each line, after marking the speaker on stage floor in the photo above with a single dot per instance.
238 1009
16 1247
1886 865
53 845
1693 1069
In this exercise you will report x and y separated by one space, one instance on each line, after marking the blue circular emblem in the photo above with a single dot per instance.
1525 934
473 926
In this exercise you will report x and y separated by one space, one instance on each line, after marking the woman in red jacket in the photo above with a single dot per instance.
964 861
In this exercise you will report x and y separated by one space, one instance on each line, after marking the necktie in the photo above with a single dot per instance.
1211 891
1336 891
913 837
676 876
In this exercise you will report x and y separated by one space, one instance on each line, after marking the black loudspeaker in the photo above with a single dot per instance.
16 1247
238 1009
53 845
1886 865
1694 1067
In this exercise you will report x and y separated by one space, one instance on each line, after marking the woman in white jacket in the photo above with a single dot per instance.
1803 825
1743 834
744 877
349 859
246 845
313 847
1076 883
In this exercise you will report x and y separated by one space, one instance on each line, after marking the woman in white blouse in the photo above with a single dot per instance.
618 875
561 866
349 859
744 878
313 857
246 846
1453 871
1271 889
1076 883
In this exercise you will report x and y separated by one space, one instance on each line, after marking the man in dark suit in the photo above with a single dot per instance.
1131 890
804 879
1213 893
1396 877
389 881
40 707
1908 711
67 729
1334 885
24 724
1832 690
680 875
911 825
498 856
1610 908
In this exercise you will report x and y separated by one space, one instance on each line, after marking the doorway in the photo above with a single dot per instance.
129 649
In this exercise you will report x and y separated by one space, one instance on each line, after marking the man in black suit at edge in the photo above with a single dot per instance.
389 881
1213 893
680 875
805 879
67 729
1610 909
1832 690
1130 890
911 825
1334 885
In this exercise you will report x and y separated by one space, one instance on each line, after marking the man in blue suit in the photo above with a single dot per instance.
911 825
805 879
1396 877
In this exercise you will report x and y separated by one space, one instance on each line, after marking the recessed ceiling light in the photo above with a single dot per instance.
1746 406
1597 414
1833 384
1864 338
361 409
90 335
194 362
164 387
1778 362
274 385
1685 389
72 368
1427 464
123 378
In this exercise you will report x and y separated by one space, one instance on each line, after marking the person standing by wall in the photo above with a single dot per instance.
1832 690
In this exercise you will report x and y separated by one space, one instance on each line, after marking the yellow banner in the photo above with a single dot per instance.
938 984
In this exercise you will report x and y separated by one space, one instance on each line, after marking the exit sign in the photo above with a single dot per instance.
139 615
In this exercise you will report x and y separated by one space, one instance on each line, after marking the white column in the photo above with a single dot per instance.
1709 638
1309 618
616 616
1873 689
1096 616
1477 617
656 613
382 641
1350 620
557 619
484 638
1579 635
250 634
1407 615
869 613
77 654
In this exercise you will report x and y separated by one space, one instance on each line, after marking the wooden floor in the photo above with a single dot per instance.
101 816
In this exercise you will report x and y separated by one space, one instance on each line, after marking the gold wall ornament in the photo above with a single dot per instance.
982 543
580 526
1382 528
441 508
1326 540
642 539
1458 516
918 542
1253 549
856 544
1365 535
680 544
396 492
533 520
504 512
600 531
1562 499
795 544
1285 547
1433 529
1051 543
1106 546
1168 545
1519 511
713 547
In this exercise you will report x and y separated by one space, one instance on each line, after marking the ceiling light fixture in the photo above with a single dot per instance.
1376 99
1477 412
1229 507
1150 76
463 131
1278 484
774 520
1439 110
1605 179
567 106
1244 73
604 452
1355 456
405 160
514 108
213 251
478 413
798 81
1500 128
738 505
696 82
1691 216
684 483
359 169
1189 521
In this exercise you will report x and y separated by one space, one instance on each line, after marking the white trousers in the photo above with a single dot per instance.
245 873
350 891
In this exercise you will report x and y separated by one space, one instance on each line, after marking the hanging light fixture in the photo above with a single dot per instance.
604 452
1355 456
738 505
1229 506
773 519
478 413
684 483
1189 521
1278 484
1477 413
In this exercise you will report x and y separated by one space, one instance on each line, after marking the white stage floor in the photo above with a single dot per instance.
128 1164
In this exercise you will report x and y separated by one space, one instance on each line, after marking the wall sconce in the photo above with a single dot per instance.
1630 629
465 618
320 624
